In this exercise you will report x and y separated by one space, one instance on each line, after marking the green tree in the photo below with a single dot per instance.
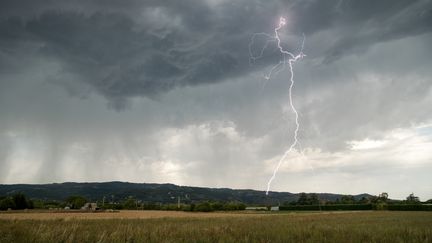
130 203
364 200
76 202
217 206
382 198
234 206
7 203
38 203
313 199
203 207
347 199
303 199
30 204
20 201
192 207
412 198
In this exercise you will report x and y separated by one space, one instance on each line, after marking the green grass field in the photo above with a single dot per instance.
370 226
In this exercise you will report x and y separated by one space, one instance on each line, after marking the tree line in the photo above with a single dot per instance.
20 201
313 199
16 201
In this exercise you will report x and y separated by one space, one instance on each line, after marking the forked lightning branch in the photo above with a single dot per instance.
288 59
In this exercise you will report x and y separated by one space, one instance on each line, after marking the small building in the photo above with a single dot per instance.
90 206
274 208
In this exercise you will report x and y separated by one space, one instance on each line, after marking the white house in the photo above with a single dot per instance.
90 206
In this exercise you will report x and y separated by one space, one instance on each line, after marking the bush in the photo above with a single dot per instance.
380 206
217 206
203 207
7 203
38 204
130 203
326 207
213 206
151 206
231 206
192 207
186 208
53 204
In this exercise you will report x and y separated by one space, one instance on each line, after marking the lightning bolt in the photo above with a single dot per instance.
273 71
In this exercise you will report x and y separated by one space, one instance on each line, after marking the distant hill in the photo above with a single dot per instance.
154 193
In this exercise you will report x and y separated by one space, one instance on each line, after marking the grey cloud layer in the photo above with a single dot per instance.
146 48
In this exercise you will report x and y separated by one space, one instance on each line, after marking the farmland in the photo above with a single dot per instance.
163 226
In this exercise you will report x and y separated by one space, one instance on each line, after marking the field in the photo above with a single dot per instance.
164 226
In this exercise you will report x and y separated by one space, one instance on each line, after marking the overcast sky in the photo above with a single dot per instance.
163 91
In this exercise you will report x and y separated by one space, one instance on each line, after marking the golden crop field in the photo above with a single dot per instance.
167 226
123 214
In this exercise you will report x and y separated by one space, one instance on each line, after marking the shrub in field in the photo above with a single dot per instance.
348 207
151 206
327 207
234 206
187 208
379 206
213 206
203 207
217 206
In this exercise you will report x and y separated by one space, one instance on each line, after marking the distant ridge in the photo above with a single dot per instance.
153 193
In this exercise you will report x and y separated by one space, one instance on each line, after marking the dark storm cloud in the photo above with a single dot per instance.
365 23
366 76
144 48
5 148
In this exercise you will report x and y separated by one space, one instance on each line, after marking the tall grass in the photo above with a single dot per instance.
292 227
